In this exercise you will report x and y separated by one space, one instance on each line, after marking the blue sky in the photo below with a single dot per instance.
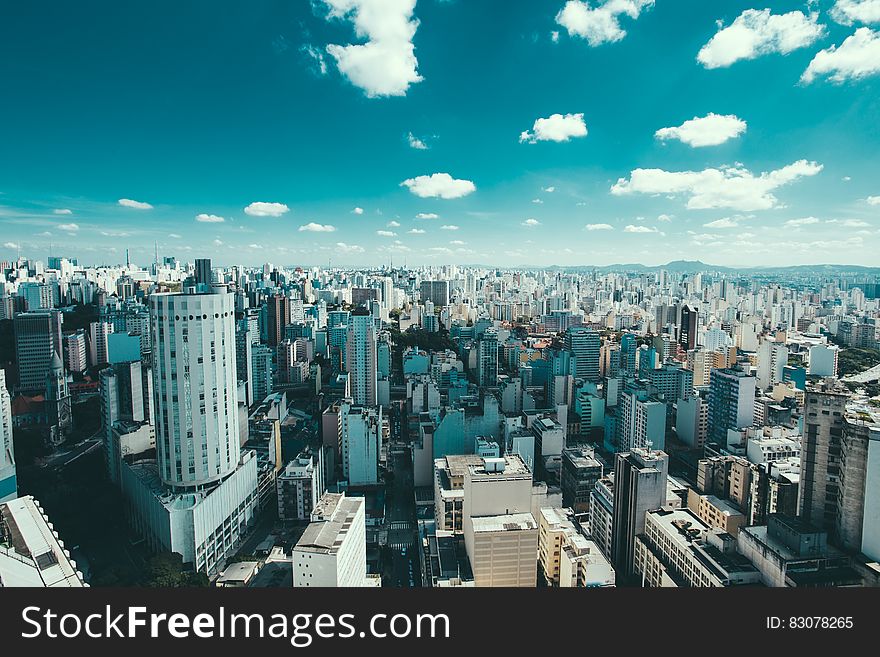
541 118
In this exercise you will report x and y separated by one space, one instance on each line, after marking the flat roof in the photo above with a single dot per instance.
505 523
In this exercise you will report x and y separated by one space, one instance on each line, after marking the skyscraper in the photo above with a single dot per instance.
8 481
487 358
583 343
360 357
731 402
277 317
687 328
126 391
639 487
202 272
37 340
195 387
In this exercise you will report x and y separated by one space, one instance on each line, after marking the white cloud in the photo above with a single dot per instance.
175 236
850 223
856 58
439 185
69 228
710 130
342 247
312 227
664 217
209 219
416 231
386 64
549 190
254 246
556 127
457 243
416 143
873 200
639 229
264 209
64 211
726 222
537 201
848 12
11 245
218 243
599 227
358 211
427 215
531 222
554 36
386 233
449 227
727 187
393 224
599 24
806 221
137 205
757 32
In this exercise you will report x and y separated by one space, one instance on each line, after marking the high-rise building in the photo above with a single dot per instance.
437 292
639 487
361 359
99 333
277 317
487 358
580 472
202 272
731 403
300 486
772 359
360 440
59 408
687 328
200 495
75 352
8 480
823 360
126 402
583 343
37 340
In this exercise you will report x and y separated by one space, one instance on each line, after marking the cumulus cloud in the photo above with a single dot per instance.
531 222
393 224
386 64
873 200
856 58
757 32
11 245
209 219
600 24
137 205
639 229
439 185
342 247
728 187
69 228
556 127
358 211
416 231
264 209
427 215
64 211
312 227
386 233
848 12
599 227
449 227
664 217
709 130
549 190
416 143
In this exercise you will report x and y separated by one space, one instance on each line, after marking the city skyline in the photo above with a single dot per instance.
346 132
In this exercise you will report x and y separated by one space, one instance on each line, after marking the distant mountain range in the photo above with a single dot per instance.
696 266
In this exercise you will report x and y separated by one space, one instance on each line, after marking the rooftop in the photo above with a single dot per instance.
506 523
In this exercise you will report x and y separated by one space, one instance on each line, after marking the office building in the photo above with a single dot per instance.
37 340
568 559
580 472
361 358
300 486
687 328
583 343
731 403
360 441
8 480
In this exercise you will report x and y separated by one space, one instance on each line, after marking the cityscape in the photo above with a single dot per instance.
298 296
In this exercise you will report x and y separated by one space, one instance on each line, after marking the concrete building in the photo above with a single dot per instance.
76 352
8 479
360 441
583 343
126 410
31 554
37 340
678 550
716 512
201 494
640 485
333 550
567 558
580 472
601 525
361 357
99 334
731 403
300 486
